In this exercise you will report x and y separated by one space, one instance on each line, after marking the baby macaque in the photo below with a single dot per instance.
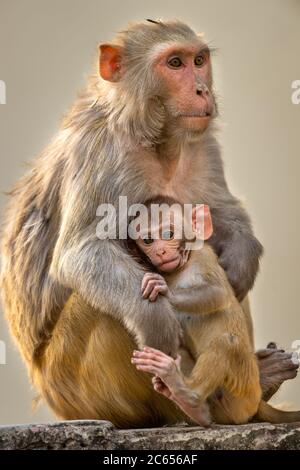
224 372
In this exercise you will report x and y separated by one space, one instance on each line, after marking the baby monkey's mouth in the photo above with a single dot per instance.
169 264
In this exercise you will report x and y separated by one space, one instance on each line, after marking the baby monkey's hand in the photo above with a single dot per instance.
162 366
152 285
169 381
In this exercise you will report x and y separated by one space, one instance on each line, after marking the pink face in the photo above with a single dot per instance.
186 74
165 253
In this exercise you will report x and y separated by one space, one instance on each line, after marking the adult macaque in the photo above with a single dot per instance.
216 333
142 127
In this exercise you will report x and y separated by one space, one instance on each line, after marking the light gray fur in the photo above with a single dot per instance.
50 248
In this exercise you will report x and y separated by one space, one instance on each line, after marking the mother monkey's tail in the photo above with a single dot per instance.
267 413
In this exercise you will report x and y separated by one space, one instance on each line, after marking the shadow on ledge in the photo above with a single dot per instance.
102 435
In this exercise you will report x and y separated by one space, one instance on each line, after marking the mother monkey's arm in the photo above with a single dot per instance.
239 254
103 272
233 239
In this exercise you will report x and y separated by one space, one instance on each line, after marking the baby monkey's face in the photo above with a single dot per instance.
164 251
164 246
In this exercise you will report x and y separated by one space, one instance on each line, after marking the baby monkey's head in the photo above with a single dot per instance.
162 233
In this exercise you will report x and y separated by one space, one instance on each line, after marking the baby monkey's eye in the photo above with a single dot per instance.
168 235
148 241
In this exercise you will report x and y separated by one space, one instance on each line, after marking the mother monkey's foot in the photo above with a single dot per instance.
275 366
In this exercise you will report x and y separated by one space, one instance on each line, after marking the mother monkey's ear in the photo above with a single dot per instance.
202 222
110 58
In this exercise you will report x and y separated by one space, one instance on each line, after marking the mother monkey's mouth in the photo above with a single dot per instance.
196 115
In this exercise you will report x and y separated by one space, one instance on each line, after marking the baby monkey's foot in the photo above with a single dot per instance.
169 381
187 400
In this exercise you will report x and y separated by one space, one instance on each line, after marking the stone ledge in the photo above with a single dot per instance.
102 435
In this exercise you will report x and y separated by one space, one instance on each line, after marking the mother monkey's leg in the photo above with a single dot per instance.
86 372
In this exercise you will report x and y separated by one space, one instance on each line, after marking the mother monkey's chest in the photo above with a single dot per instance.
149 175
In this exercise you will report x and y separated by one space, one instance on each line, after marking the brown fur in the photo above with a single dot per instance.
217 336
119 138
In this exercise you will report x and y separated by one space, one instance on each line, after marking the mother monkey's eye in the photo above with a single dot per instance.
175 62
200 60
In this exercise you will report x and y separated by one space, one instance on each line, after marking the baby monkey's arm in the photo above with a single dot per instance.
204 299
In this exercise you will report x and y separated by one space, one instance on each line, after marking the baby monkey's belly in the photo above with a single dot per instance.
198 332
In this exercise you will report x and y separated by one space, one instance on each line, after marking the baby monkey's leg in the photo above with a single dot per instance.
226 363
169 382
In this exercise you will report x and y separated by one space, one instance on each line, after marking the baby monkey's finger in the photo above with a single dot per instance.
156 352
157 382
147 277
147 355
158 289
150 369
147 362
152 283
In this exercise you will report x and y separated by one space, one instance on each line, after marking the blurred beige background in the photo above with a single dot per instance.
46 49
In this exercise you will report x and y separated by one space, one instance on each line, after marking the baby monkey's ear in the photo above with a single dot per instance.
201 221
